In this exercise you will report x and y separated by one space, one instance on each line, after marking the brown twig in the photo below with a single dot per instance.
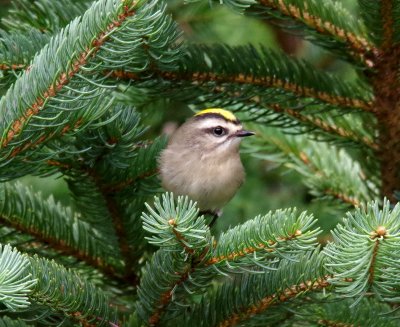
166 298
179 236
13 66
277 298
109 193
358 45
265 81
376 235
62 80
266 246
324 126
341 196
61 246
31 144
114 209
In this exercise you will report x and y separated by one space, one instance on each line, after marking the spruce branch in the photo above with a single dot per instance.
77 298
118 167
176 227
252 90
97 48
55 225
254 294
277 233
321 25
322 310
364 314
245 65
118 187
340 32
16 51
94 204
16 281
9 322
336 127
106 168
275 299
112 151
382 20
42 15
363 255
186 245
131 211
258 244
89 199
118 222
128 173
162 275
314 161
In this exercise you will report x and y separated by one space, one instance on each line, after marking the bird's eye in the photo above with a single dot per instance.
218 131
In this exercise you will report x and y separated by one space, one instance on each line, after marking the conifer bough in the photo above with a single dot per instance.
74 86
69 87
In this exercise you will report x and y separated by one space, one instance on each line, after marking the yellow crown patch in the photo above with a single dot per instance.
218 111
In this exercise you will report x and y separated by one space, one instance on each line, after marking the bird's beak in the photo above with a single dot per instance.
243 133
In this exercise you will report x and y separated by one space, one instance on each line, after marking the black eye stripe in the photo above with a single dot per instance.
211 130
218 131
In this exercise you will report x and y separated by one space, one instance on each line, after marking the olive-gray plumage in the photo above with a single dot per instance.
202 160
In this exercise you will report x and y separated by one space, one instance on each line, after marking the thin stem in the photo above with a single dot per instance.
63 79
265 246
265 81
358 45
61 246
275 299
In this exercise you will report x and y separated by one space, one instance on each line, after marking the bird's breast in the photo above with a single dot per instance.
210 180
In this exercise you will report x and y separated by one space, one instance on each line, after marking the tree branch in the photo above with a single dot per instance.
61 246
267 246
13 66
266 81
353 201
324 126
375 235
62 80
166 298
117 220
275 299
358 45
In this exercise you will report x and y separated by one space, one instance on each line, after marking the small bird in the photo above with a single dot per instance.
202 160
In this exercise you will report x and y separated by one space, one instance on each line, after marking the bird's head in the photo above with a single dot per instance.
212 130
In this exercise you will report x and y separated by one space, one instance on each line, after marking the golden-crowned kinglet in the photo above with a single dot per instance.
202 159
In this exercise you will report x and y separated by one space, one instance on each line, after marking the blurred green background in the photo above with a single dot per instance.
267 186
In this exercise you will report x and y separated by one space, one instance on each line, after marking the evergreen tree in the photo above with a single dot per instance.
85 89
